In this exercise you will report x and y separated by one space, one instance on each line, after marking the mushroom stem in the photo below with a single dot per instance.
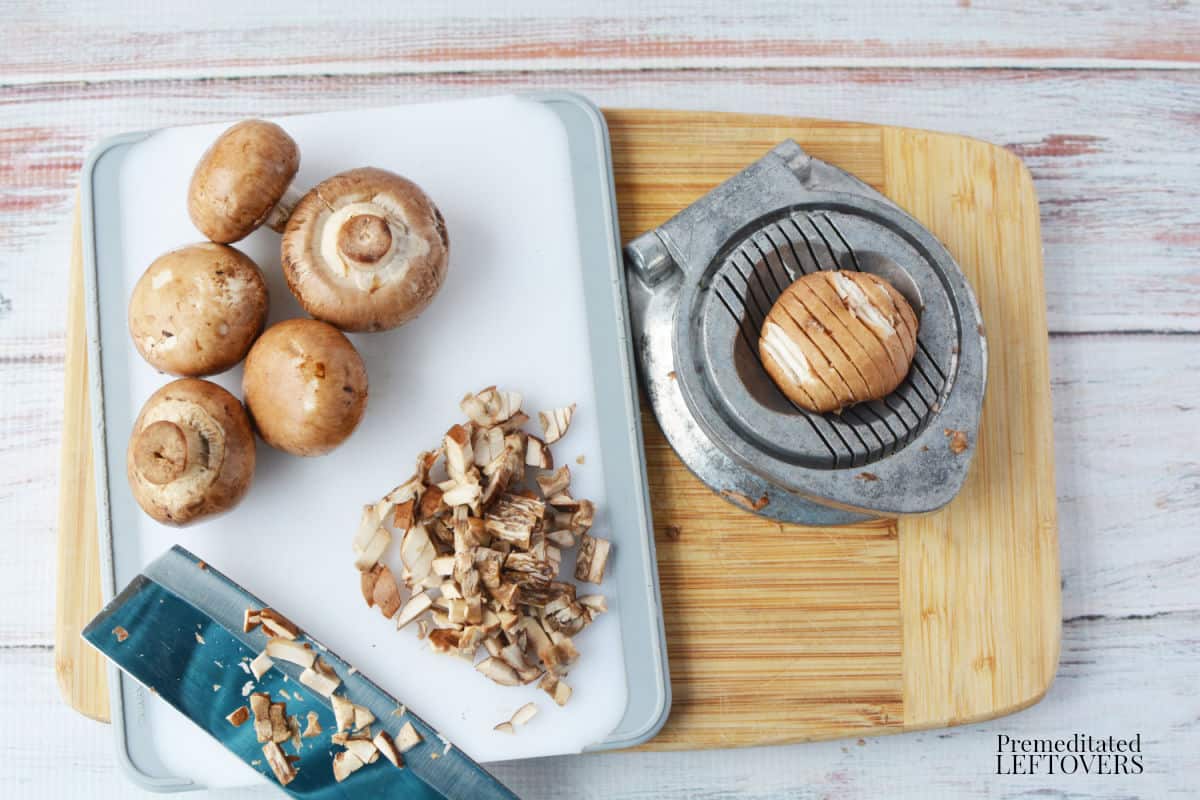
364 240
279 214
163 450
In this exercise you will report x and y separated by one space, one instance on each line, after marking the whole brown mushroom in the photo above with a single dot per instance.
305 386
365 250
242 181
191 454
196 310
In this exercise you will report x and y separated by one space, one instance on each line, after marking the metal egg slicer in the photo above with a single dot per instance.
700 286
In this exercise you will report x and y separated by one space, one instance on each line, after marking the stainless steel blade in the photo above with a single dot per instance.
177 629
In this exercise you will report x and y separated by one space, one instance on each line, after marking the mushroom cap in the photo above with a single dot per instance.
240 178
365 250
838 337
191 453
196 310
305 386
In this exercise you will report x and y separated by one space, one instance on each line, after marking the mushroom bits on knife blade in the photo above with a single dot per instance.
305 386
191 453
365 250
196 310
242 181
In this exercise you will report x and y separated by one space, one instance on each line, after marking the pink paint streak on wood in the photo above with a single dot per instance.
548 35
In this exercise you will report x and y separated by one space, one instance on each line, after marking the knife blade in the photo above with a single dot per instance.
177 630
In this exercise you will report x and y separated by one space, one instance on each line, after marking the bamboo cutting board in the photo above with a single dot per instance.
781 633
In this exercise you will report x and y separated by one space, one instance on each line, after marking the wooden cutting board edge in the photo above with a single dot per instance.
954 668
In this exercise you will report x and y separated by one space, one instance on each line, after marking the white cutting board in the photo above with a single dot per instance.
511 313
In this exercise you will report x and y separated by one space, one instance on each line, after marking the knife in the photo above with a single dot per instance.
177 630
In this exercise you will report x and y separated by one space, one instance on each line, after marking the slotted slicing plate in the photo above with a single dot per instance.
700 287
778 632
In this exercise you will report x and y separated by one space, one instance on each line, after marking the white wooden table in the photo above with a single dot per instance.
1102 100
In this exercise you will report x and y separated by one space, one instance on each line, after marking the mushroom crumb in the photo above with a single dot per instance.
238 716
958 441
745 502
313 726
120 633
483 525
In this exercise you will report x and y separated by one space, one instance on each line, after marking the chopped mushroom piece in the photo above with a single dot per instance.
364 749
285 773
404 515
237 718
260 706
556 688
464 493
513 518
259 666
343 712
417 605
443 565
345 763
537 454
431 503
291 650
555 423
342 738
444 640
384 744
313 727
417 553
594 603
368 523
374 549
593 555
278 625
583 517
564 538
407 738
321 678
250 620
505 727
556 482
498 671
386 594
537 637
487 444
459 455
491 406
524 714
281 731
366 582
362 717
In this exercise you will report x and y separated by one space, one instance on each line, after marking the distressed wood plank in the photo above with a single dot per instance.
95 41
1120 199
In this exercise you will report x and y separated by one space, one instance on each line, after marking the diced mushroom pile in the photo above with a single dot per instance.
482 549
